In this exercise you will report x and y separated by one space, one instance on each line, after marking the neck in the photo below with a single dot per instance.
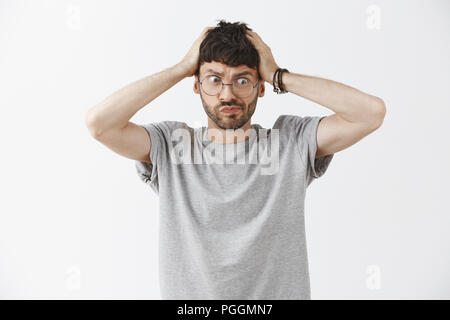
226 136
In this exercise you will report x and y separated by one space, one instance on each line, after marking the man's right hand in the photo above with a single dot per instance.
109 121
190 62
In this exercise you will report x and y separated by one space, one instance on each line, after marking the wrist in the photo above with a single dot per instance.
181 70
277 81
270 75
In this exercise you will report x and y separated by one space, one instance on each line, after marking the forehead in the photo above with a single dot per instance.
226 71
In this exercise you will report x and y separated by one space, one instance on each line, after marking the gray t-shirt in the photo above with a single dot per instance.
233 230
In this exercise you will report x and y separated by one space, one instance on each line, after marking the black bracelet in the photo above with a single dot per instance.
275 89
280 86
283 90
278 73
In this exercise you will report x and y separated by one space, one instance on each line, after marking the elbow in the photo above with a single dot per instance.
379 112
91 123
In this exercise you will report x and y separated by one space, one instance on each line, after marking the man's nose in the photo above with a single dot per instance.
226 92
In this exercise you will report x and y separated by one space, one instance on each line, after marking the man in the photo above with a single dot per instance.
229 230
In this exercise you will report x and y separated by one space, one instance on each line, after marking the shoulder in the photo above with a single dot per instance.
286 124
163 132
167 127
291 121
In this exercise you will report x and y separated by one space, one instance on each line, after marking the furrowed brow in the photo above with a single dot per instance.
243 73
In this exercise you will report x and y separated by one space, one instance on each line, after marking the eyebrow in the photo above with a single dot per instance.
234 76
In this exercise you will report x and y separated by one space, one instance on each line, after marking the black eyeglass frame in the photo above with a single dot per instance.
228 84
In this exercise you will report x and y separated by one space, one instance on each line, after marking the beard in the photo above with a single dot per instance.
233 120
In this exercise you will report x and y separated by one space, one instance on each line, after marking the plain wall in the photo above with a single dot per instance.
77 222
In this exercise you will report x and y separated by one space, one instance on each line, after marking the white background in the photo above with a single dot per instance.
77 222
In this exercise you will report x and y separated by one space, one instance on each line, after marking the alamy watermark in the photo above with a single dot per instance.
373 280
264 150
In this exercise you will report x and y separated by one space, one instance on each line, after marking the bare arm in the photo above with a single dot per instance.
356 113
115 110
351 104
108 121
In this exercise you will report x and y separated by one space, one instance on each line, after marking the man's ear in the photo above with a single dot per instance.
196 85
262 89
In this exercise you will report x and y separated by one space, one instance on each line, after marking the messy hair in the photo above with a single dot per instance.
227 43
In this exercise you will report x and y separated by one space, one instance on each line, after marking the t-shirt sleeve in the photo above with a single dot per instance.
160 134
148 172
304 134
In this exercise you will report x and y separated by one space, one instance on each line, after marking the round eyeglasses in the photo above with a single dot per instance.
241 87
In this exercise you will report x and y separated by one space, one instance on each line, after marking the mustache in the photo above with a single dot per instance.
229 104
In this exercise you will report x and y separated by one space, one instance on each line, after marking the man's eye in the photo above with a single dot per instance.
214 79
242 81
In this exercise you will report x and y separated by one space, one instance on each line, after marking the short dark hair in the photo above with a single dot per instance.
228 44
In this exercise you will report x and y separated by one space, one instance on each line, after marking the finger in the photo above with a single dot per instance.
256 35
249 36
206 29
